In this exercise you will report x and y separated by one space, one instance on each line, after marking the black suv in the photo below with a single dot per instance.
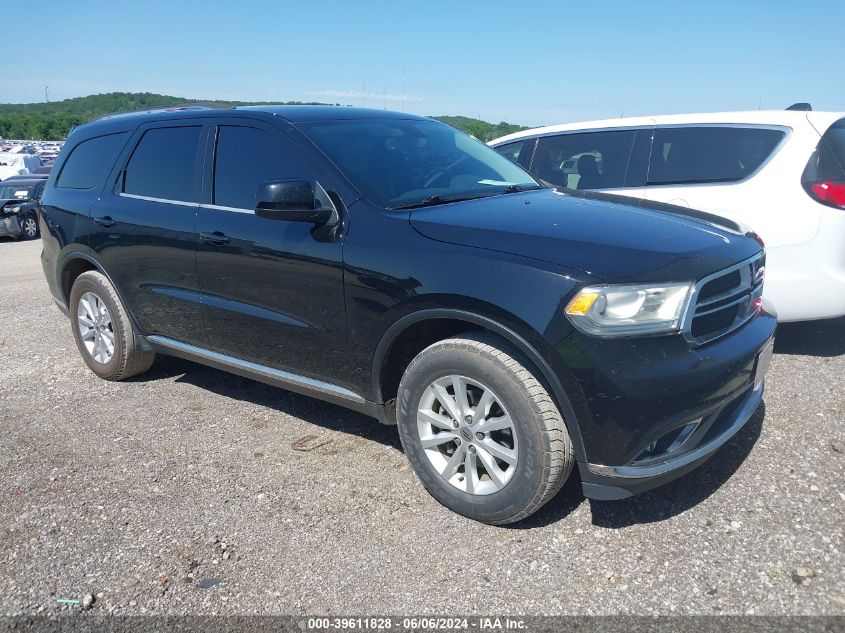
20 199
395 266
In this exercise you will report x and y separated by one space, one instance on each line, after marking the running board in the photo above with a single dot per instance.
269 375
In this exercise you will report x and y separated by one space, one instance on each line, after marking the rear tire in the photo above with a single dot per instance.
102 330
516 454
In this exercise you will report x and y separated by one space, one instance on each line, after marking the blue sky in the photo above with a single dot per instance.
527 62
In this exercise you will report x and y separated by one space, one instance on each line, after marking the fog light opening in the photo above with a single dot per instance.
668 443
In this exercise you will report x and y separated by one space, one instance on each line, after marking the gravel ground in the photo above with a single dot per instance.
192 491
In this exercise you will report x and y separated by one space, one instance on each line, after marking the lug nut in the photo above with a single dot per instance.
479 436
471 448
454 424
468 419
458 441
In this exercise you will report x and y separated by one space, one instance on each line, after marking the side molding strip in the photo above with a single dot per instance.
282 378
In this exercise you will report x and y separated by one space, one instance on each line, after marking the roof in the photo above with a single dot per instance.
126 121
301 113
788 118
21 182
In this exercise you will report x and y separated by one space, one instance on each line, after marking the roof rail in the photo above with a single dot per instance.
173 108
801 107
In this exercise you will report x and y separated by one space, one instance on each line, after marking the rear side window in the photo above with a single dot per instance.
247 156
588 160
89 161
828 162
511 151
164 164
689 155
824 175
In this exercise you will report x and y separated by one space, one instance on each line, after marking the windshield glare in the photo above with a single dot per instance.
396 162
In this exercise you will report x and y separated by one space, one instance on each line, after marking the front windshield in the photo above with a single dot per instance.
11 192
401 162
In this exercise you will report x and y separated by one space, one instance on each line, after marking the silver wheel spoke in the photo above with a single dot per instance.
470 471
438 439
499 451
494 424
447 401
460 388
482 409
87 336
435 419
493 470
454 462
101 349
108 338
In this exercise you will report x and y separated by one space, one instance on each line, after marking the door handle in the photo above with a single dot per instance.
217 238
105 221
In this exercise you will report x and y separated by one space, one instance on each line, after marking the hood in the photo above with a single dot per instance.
605 236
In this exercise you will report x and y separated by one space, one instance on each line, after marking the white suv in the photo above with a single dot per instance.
782 173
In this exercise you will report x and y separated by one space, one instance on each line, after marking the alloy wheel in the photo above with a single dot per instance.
30 227
95 327
467 434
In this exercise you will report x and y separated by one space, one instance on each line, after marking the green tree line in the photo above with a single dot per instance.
53 121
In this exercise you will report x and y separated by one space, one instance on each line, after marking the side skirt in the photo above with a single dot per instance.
304 385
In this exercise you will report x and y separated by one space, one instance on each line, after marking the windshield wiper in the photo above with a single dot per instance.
432 201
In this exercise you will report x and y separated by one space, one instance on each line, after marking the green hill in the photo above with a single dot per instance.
53 121
480 129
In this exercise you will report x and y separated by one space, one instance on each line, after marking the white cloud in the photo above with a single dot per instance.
370 96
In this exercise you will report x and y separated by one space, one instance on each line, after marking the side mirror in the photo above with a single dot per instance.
290 200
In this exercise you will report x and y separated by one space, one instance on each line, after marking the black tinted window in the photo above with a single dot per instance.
248 156
828 161
163 164
709 154
511 151
588 160
89 161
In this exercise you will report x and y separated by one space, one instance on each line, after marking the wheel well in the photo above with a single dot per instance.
410 342
72 270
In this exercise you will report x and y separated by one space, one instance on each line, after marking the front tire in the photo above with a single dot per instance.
102 330
481 432
29 228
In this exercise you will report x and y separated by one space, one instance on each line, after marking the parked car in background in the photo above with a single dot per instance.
396 266
40 176
780 172
20 202
17 164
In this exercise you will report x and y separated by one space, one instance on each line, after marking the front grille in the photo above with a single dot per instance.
723 302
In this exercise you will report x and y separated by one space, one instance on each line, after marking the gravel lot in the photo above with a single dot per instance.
185 491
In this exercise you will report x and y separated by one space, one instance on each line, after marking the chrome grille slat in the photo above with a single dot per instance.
742 297
736 289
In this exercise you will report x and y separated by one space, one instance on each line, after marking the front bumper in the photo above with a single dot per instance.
618 482
10 226
649 410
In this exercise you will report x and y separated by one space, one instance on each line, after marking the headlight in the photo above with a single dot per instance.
629 310
12 209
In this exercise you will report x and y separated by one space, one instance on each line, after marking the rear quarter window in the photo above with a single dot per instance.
89 161
708 154
828 161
